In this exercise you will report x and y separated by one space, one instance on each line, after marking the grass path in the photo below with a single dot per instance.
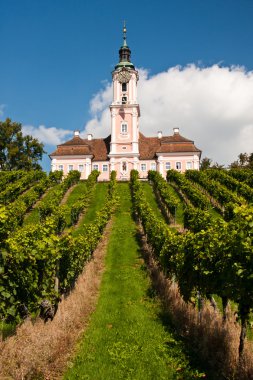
180 207
33 216
97 202
151 198
126 338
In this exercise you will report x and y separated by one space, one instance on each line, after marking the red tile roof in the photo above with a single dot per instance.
148 147
98 148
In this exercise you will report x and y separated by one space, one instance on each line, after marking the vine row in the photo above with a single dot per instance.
34 261
217 260
196 197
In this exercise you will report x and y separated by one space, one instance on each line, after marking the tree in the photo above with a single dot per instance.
244 161
205 163
18 152
216 165
250 161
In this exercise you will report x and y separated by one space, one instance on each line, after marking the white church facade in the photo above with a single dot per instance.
126 148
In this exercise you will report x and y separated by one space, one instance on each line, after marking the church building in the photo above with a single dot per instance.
126 148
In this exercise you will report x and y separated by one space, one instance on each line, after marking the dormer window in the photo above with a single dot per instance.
124 128
124 87
124 99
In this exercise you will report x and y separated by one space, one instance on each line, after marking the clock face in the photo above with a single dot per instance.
124 76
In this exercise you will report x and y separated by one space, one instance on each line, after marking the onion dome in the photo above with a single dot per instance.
124 53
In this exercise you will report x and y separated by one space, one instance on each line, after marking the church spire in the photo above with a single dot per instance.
124 52
124 34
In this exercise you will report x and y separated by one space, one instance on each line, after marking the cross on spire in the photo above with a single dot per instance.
124 34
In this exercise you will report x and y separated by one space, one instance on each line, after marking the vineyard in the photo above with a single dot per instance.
197 226
41 256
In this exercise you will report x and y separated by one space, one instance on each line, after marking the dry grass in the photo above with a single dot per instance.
214 342
42 351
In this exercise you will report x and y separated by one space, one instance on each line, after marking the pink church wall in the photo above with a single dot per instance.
143 166
179 163
67 164
117 165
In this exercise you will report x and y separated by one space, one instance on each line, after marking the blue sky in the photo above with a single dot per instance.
57 55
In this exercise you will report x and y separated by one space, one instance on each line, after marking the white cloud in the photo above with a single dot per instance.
2 107
49 136
212 105
102 98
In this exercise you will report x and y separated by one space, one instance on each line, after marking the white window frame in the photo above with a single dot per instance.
82 168
70 167
95 167
153 166
189 165
60 167
143 167
105 168
167 165
178 163
124 128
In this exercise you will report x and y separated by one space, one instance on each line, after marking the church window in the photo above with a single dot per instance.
60 167
124 99
95 167
178 165
123 147
80 168
153 166
124 87
143 167
105 168
167 166
124 128
189 165
71 167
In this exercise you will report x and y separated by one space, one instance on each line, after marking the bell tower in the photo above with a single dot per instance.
125 113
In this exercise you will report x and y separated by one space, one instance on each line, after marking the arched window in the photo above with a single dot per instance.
124 87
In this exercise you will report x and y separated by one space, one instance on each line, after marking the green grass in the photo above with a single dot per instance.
33 216
77 191
126 338
75 194
7 329
96 204
151 198
214 213
180 207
